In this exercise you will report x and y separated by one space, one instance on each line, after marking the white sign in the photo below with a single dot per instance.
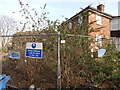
62 41
34 50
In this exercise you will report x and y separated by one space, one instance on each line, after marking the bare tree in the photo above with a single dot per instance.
8 26
33 19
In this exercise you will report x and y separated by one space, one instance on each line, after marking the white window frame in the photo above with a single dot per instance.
98 40
80 20
70 25
98 19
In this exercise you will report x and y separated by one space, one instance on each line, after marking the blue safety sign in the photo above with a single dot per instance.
34 50
15 55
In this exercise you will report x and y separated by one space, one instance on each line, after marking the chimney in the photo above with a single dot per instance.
101 7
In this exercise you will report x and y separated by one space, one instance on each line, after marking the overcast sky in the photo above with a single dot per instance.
57 8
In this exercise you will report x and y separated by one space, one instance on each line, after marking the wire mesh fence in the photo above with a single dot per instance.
25 71
89 63
68 61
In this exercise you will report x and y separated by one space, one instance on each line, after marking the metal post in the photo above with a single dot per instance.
1 55
59 68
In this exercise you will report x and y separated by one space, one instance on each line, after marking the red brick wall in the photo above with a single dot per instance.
104 29
75 22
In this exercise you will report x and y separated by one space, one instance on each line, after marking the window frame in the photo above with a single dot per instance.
80 20
70 25
98 40
98 19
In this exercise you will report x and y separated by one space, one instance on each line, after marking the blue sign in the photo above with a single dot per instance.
34 50
33 45
101 52
15 55
36 53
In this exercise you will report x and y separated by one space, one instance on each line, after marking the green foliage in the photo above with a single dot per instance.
97 71
78 68
107 69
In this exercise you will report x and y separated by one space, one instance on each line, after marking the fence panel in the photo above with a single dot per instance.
82 66
70 64
27 71
74 52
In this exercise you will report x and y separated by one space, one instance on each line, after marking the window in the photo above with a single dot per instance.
98 20
80 20
117 43
98 40
70 25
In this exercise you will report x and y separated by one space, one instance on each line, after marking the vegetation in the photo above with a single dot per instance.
78 68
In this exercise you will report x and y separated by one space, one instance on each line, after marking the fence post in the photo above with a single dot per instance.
59 68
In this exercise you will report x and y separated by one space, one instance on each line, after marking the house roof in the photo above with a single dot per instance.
89 8
116 17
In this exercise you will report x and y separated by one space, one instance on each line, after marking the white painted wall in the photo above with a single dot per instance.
119 8
115 24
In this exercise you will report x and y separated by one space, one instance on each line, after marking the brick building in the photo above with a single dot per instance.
115 31
115 28
100 22
98 16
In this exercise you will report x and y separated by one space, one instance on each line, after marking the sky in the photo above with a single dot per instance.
58 9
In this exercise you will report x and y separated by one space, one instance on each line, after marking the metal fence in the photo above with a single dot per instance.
25 71
65 63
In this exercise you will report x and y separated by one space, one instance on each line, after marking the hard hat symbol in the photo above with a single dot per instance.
33 45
